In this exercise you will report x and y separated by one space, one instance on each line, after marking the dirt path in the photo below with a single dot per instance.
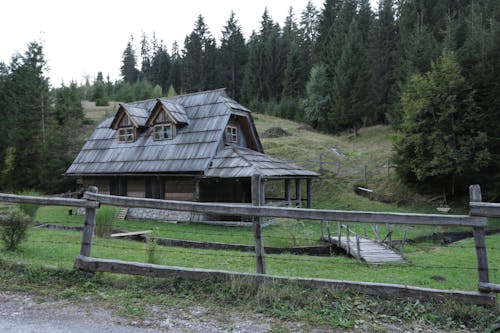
24 313
27 313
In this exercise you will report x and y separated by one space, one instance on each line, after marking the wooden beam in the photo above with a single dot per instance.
485 209
257 200
288 194
480 239
298 193
392 290
489 287
132 233
88 226
293 213
47 201
309 192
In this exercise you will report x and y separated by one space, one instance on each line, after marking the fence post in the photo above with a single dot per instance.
88 227
339 232
348 241
358 247
320 163
257 224
480 240
364 174
388 168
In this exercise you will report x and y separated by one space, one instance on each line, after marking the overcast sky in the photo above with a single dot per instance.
83 37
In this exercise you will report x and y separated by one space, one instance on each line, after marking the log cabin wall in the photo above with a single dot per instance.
181 189
102 183
136 187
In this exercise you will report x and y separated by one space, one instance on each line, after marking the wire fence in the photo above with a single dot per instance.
346 169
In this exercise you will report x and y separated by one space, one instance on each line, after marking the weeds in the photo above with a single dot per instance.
104 221
288 301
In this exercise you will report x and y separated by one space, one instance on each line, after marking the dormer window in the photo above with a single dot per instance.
231 134
126 134
163 132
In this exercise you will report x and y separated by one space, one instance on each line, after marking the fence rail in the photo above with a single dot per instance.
92 200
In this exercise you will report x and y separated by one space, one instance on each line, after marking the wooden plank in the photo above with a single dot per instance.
480 240
88 226
47 201
393 290
294 213
489 287
257 199
486 209
132 233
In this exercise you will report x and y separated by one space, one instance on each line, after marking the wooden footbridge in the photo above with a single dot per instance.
363 248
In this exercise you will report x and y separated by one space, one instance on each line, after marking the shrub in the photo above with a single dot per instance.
29 209
13 227
104 221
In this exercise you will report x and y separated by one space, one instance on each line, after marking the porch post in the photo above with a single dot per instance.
309 193
298 197
288 193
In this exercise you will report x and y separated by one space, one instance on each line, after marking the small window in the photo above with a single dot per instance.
231 134
162 132
126 134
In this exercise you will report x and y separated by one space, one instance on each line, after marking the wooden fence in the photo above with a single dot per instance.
92 200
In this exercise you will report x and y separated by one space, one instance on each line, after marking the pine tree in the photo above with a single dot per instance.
233 54
145 58
438 141
351 85
129 72
318 98
175 69
200 59
27 110
307 38
160 67
385 46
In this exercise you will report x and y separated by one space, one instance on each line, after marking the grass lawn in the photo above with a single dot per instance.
450 267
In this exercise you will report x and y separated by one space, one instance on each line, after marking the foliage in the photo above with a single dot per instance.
105 219
29 209
128 70
438 139
318 98
13 228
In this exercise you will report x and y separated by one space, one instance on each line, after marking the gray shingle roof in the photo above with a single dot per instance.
202 118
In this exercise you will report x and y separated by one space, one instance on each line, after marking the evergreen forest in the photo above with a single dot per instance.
429 69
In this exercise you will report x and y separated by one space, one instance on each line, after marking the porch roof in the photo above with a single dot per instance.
235 161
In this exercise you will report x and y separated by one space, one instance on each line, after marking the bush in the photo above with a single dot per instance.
104 221
29 209
13 227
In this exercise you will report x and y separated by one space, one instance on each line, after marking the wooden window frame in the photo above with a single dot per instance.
126 134
163 131
232 133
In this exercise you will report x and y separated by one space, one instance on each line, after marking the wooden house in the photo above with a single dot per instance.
196 147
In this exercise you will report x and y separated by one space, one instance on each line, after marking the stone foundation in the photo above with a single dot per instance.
162 215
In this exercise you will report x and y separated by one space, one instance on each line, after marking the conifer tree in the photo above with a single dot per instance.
233 54
129 72
317 103
438 140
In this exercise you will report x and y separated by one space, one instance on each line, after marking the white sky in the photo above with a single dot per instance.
83 37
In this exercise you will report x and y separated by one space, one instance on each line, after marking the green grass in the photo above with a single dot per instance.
135 297
455 263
